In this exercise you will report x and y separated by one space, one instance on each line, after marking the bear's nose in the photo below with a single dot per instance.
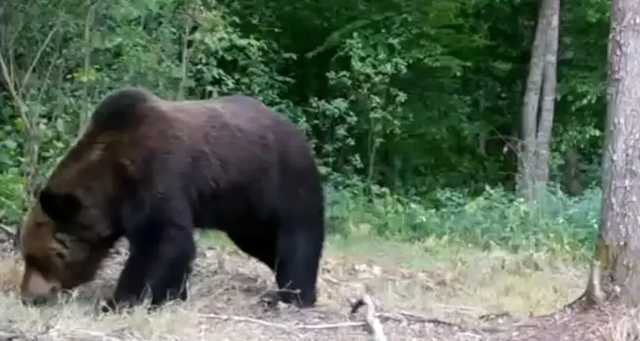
34 300
42 298
36 289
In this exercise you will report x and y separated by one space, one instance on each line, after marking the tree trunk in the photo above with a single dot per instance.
530 105
615 269
185 59
543 143
572 177
3 24
88 23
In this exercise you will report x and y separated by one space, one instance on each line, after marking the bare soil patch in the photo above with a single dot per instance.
225 304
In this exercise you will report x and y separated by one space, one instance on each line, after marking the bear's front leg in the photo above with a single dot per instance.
158 267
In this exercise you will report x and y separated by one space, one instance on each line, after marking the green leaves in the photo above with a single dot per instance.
494 219
409 95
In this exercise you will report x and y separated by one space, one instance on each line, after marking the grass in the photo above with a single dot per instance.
432 278
433 274
496 219
453 257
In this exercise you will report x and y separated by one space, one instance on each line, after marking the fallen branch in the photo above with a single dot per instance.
424 319
95 334
245 319
249 320
331 325
7 230
9 336
411 317
373 322
283 326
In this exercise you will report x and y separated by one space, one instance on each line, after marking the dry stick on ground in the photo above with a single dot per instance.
331 325
413 317
10 336
250 320
6 229
283 326
246 319
373 322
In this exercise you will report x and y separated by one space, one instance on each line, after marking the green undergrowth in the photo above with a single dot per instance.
415 255
11 198
558 224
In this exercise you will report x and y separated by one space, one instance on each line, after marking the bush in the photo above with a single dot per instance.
496 218
11 198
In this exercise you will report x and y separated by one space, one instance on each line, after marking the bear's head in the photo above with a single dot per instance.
72 226
53 259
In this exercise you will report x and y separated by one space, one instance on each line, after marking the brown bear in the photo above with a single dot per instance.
150 170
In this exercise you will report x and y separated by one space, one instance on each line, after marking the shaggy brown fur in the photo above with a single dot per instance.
151 170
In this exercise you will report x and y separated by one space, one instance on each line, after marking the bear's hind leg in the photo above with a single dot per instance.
299 253
261 248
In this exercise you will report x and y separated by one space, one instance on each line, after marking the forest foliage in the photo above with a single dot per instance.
412 106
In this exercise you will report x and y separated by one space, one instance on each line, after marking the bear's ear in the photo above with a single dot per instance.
60 207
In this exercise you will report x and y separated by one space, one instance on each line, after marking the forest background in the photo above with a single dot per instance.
414 108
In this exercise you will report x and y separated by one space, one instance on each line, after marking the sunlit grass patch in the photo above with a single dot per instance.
440 274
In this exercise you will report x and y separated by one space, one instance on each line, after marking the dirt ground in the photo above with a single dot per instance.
225 304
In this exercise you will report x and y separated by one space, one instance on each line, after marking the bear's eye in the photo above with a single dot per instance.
60 255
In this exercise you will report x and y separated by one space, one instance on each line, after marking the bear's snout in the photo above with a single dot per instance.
36 290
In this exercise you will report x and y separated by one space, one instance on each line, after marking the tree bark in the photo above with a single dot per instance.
572 177
530 105
188 26
616 264
545 124
88 23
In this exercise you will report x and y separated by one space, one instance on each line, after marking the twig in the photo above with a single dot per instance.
373 322
14 93
410 317
248 319
420 318
245 319
336 38
331 325
287 328
185 59
9 231
44 45
9 335
99 335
